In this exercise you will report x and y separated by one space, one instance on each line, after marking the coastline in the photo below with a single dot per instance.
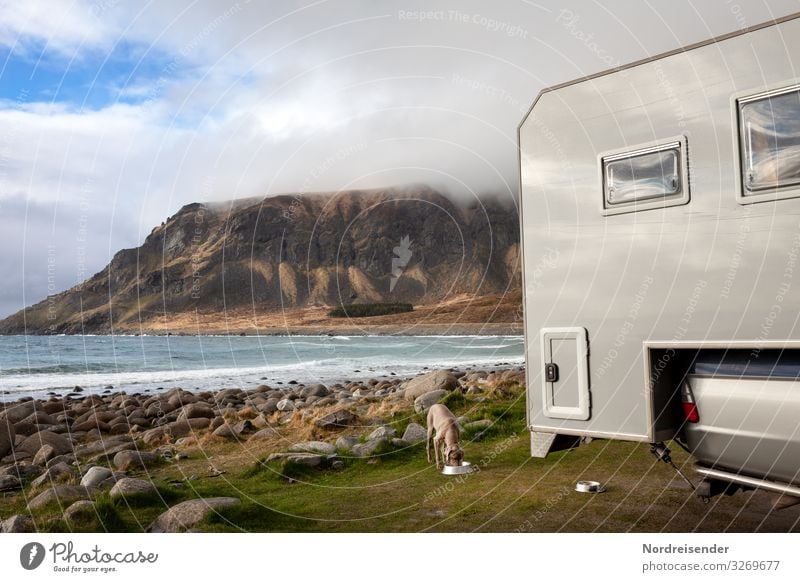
455 329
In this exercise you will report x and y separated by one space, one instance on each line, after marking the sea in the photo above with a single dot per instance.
41 366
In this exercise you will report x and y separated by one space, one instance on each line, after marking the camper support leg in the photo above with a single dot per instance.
662 453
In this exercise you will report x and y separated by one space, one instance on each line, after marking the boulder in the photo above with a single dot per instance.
268 407
305 459
95 475
44 454
22 471
225 431
131 486
320 447
106 445
7 436
439 380
56 472
415 433
244 427
9 483
126 460
40 417
16 412
346 443
285 405
337 420
265 433
382 432
25 429
61 444
196 410
188 514
173 430
424 402
366 449
63 494
17 524
79 509
319 390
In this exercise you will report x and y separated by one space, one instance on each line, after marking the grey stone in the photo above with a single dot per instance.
106 445
225 431
63 494
196 410
188 514
265 433
95 476
285 405
382 432
9 483
306 459
244 427
61 444
82 508
366 449
131 486
17 412
22 471
17 524
319 390
7 436
320 447
177 429
43 455
126 460
53 473
268 407
415 433
337 420
439 380
424 402
346 443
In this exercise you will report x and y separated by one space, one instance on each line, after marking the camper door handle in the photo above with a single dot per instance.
551 372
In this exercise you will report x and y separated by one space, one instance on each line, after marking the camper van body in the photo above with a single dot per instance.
660 220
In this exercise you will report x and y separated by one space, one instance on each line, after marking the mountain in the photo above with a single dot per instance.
284 254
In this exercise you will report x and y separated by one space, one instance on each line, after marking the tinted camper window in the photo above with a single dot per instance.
769 136
651 177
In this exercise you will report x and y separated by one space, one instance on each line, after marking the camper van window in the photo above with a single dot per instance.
651 174
769 137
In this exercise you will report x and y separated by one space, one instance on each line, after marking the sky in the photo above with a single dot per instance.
115 114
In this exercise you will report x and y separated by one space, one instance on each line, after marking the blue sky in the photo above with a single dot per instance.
91 83
115 114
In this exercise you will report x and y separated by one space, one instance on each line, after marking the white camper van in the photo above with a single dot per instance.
660 217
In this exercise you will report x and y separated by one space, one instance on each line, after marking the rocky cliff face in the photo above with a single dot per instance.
410 245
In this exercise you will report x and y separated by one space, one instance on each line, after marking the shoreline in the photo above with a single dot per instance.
456 329
77 393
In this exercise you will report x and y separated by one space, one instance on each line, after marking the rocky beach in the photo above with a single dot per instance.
63 458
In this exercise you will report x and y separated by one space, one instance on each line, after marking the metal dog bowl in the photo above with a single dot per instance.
589 487
462 469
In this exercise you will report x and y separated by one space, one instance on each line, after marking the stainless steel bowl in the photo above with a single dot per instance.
462 469
589 487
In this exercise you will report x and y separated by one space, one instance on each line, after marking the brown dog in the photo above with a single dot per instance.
441 420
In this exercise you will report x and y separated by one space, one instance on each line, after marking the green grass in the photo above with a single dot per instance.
370 309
